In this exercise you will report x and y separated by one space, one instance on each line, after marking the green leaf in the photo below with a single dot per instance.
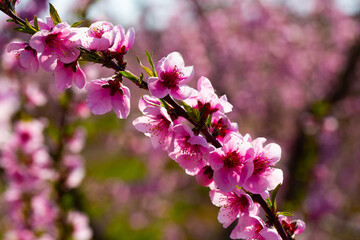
129 75
289 214
151 62
36 23
10 20
54 15
147 70
268 202
274 193
29 26
208 121
273 198
25 30
187 108
76 24
164 104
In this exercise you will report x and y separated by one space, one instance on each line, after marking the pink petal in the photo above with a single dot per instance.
121 103
99 99
256 184
130 37
181 93
29 61
198 140
216 159
79 77
14 46
274 178
273 152
301 227
63 78
69 56
174 59
37 41
221 178
156 88
204 84
48 60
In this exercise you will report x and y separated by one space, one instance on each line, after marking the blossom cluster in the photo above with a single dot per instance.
31 172
56 49
241 165
232 165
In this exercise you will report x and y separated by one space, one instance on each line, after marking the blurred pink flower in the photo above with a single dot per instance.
74 168
172 77
80 225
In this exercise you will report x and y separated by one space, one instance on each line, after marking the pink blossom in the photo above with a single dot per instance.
55 44
99 36
74 168
25 54
44 211
206 98
232 163
123 42
77 141
253 227
221 127
292 227
172 77
107 94
29 134
156 124
34 96
233 205
264 177
66 74
80 225
190 151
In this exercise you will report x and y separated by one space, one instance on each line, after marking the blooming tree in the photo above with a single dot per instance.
191 125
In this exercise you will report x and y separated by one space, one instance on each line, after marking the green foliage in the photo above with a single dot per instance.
147 70
54 15
129 76
76 24
151 62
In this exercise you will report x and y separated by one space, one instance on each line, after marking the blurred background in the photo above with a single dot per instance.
291 71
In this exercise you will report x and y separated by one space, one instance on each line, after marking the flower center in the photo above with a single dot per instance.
232 159
220 128
52 40
98 31
171 78
260 164
114 85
